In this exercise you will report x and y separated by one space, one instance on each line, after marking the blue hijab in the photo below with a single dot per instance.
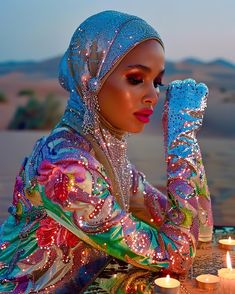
96 47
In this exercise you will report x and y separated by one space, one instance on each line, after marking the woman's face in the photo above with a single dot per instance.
129 95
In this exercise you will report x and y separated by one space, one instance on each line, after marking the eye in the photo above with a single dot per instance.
157 84
134 79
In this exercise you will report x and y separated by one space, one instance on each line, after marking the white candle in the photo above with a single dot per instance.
228 244
227 277
167 285
208 282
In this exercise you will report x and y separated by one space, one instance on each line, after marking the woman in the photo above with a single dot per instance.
77 199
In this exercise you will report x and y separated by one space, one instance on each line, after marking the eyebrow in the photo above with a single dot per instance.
140 66
144 68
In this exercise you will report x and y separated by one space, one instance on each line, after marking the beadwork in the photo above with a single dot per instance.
70 212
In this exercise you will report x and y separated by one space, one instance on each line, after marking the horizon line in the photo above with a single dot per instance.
187 58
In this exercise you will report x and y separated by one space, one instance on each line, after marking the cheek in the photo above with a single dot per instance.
124 101
115 95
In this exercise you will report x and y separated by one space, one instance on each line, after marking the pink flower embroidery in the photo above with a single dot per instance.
58 180
50 232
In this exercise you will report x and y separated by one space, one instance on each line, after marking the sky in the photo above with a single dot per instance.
41 29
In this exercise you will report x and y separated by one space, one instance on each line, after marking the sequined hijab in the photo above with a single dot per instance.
96 48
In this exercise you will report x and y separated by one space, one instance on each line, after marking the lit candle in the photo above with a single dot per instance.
228 244
227 277
208 282
167 285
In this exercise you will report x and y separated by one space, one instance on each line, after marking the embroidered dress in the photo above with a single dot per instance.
78 201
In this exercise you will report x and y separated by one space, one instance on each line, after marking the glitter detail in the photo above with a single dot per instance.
94 50
65 220
182 118
116 152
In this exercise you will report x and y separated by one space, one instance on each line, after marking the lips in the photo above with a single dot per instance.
143 115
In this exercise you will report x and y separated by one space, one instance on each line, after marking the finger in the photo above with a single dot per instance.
174 85
202 89
189 83
189 89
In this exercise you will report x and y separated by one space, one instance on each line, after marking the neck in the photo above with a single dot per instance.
118 133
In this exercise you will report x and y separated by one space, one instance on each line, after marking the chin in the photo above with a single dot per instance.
136 130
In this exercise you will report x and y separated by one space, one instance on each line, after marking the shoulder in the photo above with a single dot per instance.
63 147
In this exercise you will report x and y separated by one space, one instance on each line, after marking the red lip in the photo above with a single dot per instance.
144 114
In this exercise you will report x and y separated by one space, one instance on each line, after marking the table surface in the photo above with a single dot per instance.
119 275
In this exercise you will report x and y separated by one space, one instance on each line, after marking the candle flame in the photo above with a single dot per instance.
228 259
229 239
168 278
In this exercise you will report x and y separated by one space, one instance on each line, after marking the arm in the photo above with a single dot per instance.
78 194
188 204
152 206
147 202
182 118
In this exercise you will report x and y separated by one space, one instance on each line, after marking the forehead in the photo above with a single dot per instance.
149 53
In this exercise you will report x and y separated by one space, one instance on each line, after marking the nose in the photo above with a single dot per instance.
152 96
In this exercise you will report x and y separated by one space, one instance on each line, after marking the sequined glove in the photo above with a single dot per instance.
186 180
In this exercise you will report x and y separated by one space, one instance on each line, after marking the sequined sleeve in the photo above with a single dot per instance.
184 109
77 193
146 201
188 203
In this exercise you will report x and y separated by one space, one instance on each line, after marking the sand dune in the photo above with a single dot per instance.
218 75
12 83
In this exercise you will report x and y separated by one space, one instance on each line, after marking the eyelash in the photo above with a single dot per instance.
158 84
136 81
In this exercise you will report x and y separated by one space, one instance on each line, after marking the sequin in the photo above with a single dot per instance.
183 114
69 212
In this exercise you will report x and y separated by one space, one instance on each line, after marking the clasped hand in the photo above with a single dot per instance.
184 107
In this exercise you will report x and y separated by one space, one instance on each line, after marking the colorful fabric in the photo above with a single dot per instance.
183 116
66 219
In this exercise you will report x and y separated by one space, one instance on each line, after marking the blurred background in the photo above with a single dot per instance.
199 39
